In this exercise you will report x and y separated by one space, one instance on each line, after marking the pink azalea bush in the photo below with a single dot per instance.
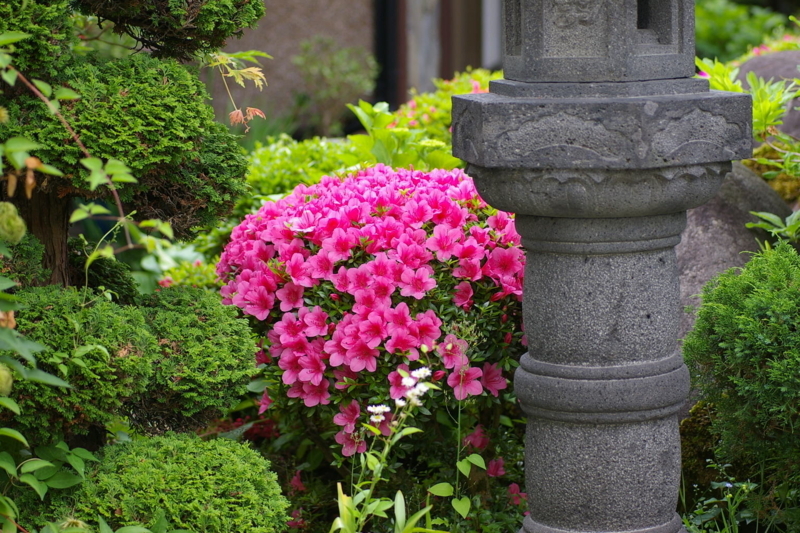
356 282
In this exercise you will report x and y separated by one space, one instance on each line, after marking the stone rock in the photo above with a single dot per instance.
777 65
716 238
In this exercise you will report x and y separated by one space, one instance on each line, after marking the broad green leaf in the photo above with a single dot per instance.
10 76
103 526
38 486
10 37
64 93
133 529
399 512
9 404
33 465
34 374
63 480
461 505
6 283
88 348
441 489
49 169
45 88
257 385
14 434
464 466
47 472
123 178
115 166
92 163
372 461
96 179
77 463
7 463
85 454
477 460
20 144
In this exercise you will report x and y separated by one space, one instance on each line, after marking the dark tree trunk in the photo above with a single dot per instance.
47 217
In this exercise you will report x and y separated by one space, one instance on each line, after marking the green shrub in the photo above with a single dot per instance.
725 30
24 266
152 115
177 29
102 379
193 274
216 486
744 354
114 276
206 359
47 51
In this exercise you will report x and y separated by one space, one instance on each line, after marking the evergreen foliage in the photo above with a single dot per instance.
24 265
204 363
101 379
744 354
177 28
150 114
215 486
114 276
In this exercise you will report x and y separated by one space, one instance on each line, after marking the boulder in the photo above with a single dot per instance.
777 65
716 238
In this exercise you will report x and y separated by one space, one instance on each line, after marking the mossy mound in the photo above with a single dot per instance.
216 486
73 327
204 361
152 115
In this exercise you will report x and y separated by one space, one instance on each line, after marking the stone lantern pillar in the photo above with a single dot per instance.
599 140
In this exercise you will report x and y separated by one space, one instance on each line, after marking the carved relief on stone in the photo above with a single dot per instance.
570 13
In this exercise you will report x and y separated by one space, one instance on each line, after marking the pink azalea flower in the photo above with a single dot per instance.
351 443
463 295
443 242
398 319
264 403
299 271
493 379
396 387
316 394
341 375
477 439
313 369
451 350
289 329
296 483
373 329
416 283
339 244
495 468
468 269
259 303
289 362
291 296
321 265
515 495
348 416
314 320
504 262
362 356
465 381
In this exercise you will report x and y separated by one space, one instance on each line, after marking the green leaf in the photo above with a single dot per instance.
464 466
77 463
88 348
10 37
40 376
257 385
38 486
92 163
441 489
6 283
33 465
477 460
7 463
133 529
63 480
45 88
85 454
14 434
115 166
103 526
64 93
462 506
9 404
10 76
49 169
51 453
20 144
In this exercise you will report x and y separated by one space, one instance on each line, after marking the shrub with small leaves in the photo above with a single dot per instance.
177 29
102 349
113 276
204 361
215 486
744 354
24 265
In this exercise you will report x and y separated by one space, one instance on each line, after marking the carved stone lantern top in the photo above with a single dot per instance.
598 40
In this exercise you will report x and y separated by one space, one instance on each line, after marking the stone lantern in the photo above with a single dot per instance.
600 139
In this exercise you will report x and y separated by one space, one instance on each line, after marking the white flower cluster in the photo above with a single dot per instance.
378 412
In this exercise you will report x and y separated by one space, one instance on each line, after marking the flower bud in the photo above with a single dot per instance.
439 374
6 380
12 227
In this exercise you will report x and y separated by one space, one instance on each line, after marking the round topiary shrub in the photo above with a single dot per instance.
204 361
744 355
177 29
216 486
152 115
73 326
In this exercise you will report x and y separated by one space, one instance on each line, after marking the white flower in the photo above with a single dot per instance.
377 419
421 373
409 381
400 402
378 409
